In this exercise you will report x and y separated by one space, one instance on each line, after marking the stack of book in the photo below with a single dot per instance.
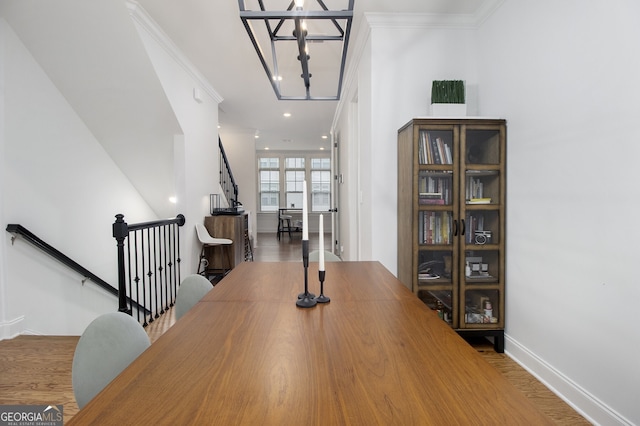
434 227
426 198
434 188
433 150
475 191
484 200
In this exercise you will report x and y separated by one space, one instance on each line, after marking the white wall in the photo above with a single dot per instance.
565 75
4 320
392 90
68 202
241 153
400 91
353 116
195 105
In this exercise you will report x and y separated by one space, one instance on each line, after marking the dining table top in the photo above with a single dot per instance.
373 355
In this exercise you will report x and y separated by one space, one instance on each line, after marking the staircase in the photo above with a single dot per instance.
227 182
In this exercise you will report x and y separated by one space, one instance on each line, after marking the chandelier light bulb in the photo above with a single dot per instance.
299 3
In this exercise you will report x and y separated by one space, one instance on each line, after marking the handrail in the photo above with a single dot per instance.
178 220
227 182
29 236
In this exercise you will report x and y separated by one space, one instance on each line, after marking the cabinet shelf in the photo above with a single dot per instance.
435 283
451 216
483 281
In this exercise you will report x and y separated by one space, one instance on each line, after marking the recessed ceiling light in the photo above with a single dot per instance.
277 78
173 200
257 136
266 148
287 114
324 136
322 148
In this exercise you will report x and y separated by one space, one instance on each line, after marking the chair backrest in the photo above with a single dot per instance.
203 234
191 290
107 346
328 256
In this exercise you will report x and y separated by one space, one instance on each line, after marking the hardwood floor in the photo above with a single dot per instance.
37 369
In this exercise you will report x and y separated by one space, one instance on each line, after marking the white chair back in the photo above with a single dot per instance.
191 290
107 346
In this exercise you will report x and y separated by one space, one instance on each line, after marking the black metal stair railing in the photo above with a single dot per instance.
227 182
19 230
149 273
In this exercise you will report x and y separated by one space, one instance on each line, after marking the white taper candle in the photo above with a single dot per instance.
321 245
305 218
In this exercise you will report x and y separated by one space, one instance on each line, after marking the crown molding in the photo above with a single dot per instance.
433 20
140 16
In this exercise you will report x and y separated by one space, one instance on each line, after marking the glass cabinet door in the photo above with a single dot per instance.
482 165
438 229
482 196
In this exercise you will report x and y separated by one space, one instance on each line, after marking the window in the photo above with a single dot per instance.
285 173
294 179
269 175
320 184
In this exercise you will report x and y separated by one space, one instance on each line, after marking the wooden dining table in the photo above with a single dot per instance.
247 355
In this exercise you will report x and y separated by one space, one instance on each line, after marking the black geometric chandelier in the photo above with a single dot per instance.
307 46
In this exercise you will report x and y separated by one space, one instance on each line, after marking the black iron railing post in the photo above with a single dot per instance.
120 232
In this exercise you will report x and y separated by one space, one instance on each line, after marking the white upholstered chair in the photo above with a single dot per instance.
191 290
107 346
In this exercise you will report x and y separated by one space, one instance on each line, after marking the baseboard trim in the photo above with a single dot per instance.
590 407
11 329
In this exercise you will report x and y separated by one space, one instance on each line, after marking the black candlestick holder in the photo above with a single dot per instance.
322 298
306 299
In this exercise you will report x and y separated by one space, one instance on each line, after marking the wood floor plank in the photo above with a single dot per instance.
36 370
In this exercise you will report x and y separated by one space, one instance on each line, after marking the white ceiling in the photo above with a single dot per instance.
91 52
211 35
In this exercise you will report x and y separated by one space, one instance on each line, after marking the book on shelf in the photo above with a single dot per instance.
435 227
428 276
433 150
437 159
430 198
434 187
479 201
480 276
474 223
431 201
474 188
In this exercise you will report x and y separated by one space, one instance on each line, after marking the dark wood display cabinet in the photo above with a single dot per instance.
451 220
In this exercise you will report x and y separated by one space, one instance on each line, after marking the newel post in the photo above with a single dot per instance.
120 232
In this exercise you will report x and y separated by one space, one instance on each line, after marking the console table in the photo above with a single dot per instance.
233 227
